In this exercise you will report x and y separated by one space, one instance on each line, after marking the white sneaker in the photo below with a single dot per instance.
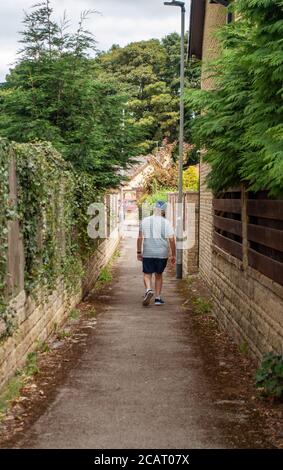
147 297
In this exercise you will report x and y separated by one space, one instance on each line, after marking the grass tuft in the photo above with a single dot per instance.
202 306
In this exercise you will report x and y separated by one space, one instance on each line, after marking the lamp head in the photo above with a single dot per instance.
175 3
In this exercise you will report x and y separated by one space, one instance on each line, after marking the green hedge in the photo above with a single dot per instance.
239 122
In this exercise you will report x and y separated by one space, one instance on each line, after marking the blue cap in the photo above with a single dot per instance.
161 205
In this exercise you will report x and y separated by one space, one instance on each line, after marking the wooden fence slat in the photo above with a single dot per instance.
229 225
227 205
267 266
269 209
269 237
231 246
15 255
266 236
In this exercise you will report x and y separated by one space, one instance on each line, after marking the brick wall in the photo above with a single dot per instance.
215 16
247 304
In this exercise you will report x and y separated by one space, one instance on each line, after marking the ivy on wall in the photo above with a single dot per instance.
41 174
4 216
51 208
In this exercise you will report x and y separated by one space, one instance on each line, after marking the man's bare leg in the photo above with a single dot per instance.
149 293
158 284
147 280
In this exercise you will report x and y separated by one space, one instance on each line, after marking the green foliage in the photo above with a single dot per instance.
45 211
56 93
239 122
84 194
243 348
6 213
52 213
31 367
11 393
158 183
160 195
4 206
149 73
63 334
190 179
98 113
202 306
105 275
269 377
55 327
13 388
161 178
74 314
42 346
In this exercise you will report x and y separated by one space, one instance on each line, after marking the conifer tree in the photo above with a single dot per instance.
56 93
239 123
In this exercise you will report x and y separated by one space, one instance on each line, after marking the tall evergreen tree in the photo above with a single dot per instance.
56 93
240 121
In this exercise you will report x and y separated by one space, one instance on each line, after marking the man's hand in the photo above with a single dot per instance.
172 243
139 246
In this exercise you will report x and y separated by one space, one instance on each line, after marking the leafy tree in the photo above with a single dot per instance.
190 179
56 93
149 71
240 121
160 178
99 113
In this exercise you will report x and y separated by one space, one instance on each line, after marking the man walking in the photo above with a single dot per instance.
155 234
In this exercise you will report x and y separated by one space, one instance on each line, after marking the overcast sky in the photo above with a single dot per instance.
120 22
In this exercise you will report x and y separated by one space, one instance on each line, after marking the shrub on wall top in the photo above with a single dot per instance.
239 122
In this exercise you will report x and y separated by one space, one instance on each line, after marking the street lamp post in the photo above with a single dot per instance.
179 264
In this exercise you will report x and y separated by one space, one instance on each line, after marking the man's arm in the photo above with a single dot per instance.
139 245
172 243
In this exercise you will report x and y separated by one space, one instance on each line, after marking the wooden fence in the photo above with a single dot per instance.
249 226
228 222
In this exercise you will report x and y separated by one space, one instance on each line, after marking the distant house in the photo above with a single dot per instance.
137 173
144 165
135 177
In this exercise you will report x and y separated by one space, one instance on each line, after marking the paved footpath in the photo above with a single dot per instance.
139 383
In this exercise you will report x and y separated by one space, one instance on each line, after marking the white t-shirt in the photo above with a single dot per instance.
156 230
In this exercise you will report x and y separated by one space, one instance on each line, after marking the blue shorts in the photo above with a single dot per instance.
154 265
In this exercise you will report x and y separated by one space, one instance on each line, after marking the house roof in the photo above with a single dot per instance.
137 166
197 17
